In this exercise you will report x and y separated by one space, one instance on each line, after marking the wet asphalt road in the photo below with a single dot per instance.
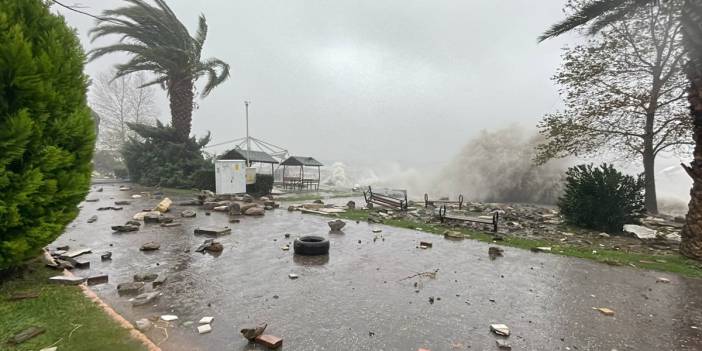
356 298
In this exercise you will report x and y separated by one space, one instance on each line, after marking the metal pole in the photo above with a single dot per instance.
248 139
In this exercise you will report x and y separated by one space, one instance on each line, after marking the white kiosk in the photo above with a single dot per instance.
230 176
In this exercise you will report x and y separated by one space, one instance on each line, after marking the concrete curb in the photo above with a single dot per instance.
133 332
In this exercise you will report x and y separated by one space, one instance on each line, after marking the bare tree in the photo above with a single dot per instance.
625 93
118 102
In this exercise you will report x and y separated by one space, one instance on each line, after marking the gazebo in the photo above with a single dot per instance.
254 157
298 180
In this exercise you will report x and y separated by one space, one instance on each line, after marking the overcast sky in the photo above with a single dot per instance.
379 81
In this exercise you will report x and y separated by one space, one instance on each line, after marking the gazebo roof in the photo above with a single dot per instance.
254 156
301 161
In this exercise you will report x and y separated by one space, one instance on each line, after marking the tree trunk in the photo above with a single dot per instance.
180 93
691 245
650 199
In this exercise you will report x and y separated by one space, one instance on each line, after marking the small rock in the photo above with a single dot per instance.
215 247
269 341
425 243
92 219
205 328
150 246
133 223
494 252
160 280
292 276
499 329
169 317
377 230
318 201
124 228
122 203
255 211
97 279
603 235
252 333
541 249
604 310
143 324
285 248
169 225
336 225
130 288
206 320
503 345
106 256
662 280
287 235
351 205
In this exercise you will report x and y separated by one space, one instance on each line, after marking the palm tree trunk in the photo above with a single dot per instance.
180 93
691 245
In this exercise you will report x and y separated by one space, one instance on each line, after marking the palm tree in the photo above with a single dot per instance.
159 43
598 14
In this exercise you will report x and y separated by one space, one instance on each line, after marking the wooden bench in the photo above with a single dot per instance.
428 202
443 216
384 200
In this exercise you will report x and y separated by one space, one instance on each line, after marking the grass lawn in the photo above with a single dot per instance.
673 263
71 320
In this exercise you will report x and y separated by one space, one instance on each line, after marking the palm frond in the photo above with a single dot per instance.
217 72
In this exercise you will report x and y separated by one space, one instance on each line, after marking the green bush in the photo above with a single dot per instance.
46 131
161 159
601 198
263 185
204 179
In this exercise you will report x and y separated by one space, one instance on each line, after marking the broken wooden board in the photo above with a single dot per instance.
25 335
66 280
332 210
303 210
213 231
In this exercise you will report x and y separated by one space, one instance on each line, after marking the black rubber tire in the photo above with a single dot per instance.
311 245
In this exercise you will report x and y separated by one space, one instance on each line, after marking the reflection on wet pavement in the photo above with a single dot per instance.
356 298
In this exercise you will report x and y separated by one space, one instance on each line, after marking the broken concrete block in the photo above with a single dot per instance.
425 243
292 276
97 279
214 247
122 203
499 329
188 214
377 230
79 263
150 246
92 219
255 211
205 328
503 345
662 280
206 320
221 208
66 280
76 253
124 228
640 231
130 288
144 298
145 277
106 256
494 252
213 231
269 341
160 280
169 317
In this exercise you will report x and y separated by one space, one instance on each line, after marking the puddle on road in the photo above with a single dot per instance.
356 297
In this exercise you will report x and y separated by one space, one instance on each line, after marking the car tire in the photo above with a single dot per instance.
311 245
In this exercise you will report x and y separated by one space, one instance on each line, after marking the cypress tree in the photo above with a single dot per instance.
46 131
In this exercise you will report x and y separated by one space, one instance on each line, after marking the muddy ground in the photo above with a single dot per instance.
356 298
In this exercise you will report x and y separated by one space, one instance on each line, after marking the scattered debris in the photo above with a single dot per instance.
292 276
285 247
150 246
499 329
451 234
124 188
269 341
503 345
662 280
97 279
428 274
211 246
145 277
106 256
213 231
92 219
206 320
205 328
425 243
351 205
603 235
136 196
541 249
99 190
172 224
169 317
255 211
252 333
25 335
124 228
92 200
377 230
495 252
336 225
22 295
109 208
130 288
76 253
123 203
66 280
604 310
145 298
133 223
640 231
